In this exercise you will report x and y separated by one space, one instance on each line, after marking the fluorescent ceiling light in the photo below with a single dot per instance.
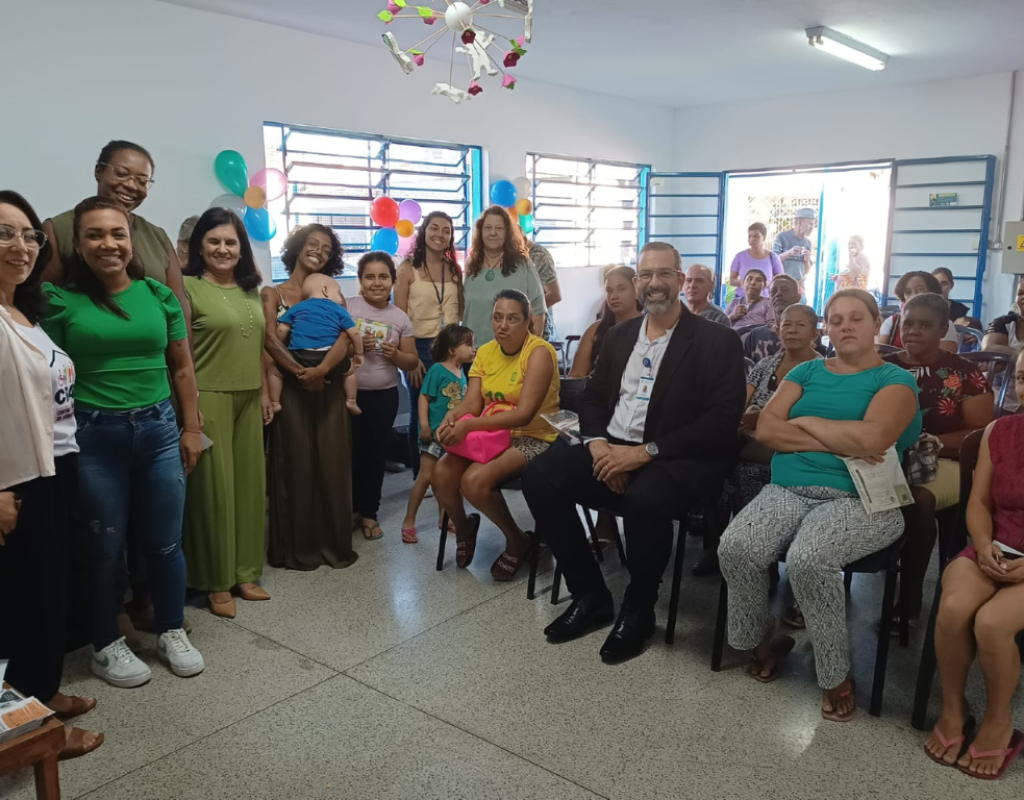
838 44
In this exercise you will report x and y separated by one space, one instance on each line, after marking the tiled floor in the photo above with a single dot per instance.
389 680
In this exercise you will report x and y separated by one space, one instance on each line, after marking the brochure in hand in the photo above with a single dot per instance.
881 486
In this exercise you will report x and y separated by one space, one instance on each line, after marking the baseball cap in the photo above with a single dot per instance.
806 213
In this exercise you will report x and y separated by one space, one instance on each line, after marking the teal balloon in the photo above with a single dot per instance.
503 193
232 171
385 239
526 223
260 224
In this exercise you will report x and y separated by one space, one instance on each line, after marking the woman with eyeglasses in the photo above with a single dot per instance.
38 476
309 469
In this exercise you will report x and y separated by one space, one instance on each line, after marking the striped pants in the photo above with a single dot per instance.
823 530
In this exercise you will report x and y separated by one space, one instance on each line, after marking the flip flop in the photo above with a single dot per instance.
371 536
506 567
781 647
948 743
832 716
409 536
79 706
74 748
465 549
1009 754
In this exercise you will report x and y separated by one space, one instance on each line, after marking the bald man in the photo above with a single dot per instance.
698 288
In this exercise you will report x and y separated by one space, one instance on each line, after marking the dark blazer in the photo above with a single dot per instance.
698 396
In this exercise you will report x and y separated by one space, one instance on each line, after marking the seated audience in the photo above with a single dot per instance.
698 289
657 443
752 308
910 285
982 609
620 305
851 405
123 331
764 341
1005 335
757 256
38 478
389 344
955 400
946 283
516 368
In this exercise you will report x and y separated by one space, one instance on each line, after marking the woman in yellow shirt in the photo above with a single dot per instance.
518 368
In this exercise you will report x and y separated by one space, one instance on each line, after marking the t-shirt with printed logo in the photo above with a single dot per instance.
62 380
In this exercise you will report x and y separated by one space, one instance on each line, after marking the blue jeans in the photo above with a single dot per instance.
131 479
423 351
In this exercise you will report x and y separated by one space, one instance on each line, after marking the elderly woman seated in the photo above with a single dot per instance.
851 405
982 609
517 372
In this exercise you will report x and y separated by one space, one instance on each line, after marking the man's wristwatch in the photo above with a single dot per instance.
652 449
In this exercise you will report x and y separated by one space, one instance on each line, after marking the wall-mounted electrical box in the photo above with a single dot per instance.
1013 248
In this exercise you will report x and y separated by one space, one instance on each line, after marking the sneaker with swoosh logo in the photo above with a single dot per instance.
119 666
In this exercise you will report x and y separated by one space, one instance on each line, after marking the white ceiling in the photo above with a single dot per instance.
706 52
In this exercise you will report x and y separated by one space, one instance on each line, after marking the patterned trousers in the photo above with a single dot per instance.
824 530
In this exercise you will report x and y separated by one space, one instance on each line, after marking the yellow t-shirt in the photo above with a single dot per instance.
502 379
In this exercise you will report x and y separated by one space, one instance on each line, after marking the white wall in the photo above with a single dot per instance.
187 84
949 118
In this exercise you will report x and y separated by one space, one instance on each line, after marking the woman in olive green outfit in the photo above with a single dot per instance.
224 504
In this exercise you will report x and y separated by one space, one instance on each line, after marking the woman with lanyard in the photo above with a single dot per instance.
429 291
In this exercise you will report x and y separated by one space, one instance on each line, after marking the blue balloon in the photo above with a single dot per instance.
385 239
503 193
260 224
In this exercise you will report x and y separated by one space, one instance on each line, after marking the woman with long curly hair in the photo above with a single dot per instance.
499 260
429 291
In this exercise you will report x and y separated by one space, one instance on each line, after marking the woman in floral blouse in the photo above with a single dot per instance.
955 400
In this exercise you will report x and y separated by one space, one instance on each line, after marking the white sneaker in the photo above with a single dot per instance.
119 666
175 648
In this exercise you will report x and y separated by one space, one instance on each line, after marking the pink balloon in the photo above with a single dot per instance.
410 210
406 244
272 181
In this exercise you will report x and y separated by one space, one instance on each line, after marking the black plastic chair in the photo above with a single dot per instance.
886 349
990 363
886 560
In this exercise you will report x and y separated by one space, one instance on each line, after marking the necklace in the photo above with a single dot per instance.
252 324
491 269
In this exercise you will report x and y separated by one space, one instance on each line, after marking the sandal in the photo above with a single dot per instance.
372 532
832 715
465 548
1009 754
780 648
409 536
74 747
79 706
794 618
507 566
948 743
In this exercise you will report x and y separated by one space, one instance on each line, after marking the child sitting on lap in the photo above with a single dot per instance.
444 387
311 328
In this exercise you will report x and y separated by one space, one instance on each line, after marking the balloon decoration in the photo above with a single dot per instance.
397 233
526 222
524 207
385 239
515 196
405 228
410 210
248 198
384 211
469 29
503 193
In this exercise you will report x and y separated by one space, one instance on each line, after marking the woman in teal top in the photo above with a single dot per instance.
852 405
225 502
123 331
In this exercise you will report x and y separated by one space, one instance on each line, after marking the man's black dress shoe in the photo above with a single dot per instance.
632 630
583 614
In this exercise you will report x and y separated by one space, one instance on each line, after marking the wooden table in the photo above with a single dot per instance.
39 749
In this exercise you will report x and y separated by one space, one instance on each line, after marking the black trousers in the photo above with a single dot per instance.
371 436
556 481
34 582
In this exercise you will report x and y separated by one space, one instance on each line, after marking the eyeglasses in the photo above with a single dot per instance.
324 250
32 238
663 275
123 175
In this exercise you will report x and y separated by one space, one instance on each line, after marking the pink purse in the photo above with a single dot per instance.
484 446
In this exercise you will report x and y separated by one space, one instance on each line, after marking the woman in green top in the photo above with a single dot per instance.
123 331
498 260
224 505
852 405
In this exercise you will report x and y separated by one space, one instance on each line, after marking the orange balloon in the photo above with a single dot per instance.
405 228
524 207
255 197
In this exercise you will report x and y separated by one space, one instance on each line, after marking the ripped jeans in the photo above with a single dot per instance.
132 483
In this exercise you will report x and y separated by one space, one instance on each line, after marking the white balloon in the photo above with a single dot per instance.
524 188
232 202
458 17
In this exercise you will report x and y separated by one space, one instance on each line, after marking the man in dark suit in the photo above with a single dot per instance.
659 421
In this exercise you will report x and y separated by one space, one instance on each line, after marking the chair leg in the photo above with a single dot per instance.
677 579
556 584
534 556
720 626
882 654
847 580
592 528
926 670
443 541
904 610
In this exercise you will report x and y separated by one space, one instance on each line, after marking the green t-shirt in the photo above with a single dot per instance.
120 364
837 397
150 243
227 334
445 390
479 295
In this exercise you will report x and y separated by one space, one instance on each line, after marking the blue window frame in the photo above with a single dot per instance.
588 212
333 176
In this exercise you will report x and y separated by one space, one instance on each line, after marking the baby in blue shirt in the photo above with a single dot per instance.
311 328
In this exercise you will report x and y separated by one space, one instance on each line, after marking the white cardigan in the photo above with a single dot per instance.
26 408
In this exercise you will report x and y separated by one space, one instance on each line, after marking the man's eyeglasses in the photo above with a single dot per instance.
32 238
663 275
123 175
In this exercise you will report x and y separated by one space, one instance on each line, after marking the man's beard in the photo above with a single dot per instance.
656 307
